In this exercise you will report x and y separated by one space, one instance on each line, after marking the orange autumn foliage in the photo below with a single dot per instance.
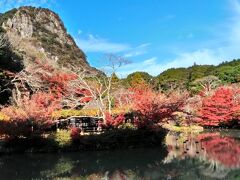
33 114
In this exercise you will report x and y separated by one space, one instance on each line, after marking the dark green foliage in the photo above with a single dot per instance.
181 77
172 78
199 71
227 72
5 87
123 139
233 63
114 139
2 30
115 78
9 60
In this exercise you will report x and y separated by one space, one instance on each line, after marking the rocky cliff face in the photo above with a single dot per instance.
39 33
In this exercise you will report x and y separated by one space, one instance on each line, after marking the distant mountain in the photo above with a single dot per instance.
38 33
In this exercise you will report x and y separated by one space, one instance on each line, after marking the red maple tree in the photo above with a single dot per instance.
154 107
219 108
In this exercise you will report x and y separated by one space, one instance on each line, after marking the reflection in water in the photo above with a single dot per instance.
122 164
185 157
223 150
218 154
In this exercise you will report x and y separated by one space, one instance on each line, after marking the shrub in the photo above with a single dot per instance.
15 128
114 122
75 133
127 125
63 138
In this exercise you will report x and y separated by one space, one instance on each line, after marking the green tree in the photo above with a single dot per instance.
172 79
137 78
205 84
226 74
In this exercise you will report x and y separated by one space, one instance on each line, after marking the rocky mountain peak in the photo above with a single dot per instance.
40 33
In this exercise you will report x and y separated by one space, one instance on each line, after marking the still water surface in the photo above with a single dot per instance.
210 155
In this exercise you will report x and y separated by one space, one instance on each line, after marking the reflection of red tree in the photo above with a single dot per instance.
225 150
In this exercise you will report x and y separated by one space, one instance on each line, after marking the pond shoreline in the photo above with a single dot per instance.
110 140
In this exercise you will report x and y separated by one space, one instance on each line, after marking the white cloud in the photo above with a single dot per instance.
79 32
153 67
143 45
137 51
133 54
229 51
96 44
6 5
236 6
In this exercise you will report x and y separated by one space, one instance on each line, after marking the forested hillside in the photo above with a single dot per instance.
184 78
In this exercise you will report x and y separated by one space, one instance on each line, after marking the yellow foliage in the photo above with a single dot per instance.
117 111
63 137
4 117
65 113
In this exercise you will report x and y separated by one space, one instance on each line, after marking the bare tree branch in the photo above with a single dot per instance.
100 88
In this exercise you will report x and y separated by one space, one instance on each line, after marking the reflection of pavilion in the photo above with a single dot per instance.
219 154
182 146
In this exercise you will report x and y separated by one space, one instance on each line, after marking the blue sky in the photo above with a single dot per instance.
153 34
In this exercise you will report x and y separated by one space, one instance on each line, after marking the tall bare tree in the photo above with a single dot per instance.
100 87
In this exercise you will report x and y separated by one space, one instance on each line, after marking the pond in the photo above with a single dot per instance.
205 156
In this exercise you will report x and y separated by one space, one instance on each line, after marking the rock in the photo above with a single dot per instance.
37 33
